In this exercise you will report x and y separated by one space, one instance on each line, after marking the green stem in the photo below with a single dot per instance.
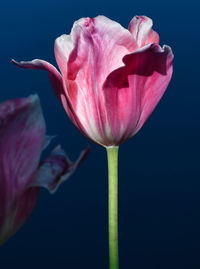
112 154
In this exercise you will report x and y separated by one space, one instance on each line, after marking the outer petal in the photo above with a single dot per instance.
140 28
56 169
56 82
54 76
132 92
98 40
95 41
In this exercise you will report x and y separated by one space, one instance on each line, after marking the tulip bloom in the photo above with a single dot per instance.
22 129
111 78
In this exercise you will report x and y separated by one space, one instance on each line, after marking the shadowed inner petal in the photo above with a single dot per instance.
133 91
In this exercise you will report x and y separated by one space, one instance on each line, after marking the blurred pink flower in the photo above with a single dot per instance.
22 132
112 78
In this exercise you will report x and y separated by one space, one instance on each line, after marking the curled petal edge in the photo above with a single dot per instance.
57 83
56 169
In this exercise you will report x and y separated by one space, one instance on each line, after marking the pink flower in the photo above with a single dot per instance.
22 132
111 78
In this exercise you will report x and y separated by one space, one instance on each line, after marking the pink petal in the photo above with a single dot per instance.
95 41
140 28
54 76
56 169
132 92
57 83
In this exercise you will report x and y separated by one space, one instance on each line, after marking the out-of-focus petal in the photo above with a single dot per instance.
141 29
17 214
56 169
22 132
132 92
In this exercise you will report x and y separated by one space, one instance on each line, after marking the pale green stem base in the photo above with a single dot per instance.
112 154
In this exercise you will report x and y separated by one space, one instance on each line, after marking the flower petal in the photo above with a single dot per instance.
22 132
54 76
95 41
56 169
140 28
132 92
57 83
98 40
63 47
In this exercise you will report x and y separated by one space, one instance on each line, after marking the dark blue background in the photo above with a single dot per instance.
159 183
